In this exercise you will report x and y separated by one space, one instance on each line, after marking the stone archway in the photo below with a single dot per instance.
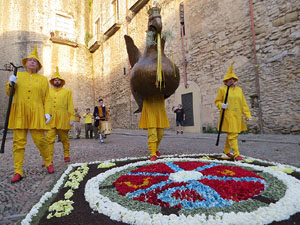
190 99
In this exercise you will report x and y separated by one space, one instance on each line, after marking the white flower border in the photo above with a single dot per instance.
281 210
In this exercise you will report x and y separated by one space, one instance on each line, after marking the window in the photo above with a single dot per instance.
111 25
96 31
115 10
64 26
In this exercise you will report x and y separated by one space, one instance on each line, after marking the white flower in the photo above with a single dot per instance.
157 219
182 176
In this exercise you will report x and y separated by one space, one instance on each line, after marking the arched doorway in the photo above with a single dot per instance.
190 99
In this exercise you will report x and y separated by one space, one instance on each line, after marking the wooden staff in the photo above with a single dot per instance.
11 94
222 117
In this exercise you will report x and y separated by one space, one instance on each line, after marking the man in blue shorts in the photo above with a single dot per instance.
180 118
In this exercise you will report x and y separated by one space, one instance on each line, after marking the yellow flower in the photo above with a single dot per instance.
57 214
105 165
69 194
286 170
205 157
248 160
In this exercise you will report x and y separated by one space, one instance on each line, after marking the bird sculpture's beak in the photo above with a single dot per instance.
156 25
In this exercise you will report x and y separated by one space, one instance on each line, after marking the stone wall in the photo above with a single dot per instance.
216 33
278 50
24 24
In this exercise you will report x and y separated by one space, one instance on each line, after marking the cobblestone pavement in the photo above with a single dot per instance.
17 199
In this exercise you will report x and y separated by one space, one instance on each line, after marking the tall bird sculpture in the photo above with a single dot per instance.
152 73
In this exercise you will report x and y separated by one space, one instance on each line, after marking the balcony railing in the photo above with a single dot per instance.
136 5
95 43
63 38
111 26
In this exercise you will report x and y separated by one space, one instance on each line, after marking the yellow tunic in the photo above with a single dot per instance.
30 102
87 118
154 113
62 108
237 106
77 117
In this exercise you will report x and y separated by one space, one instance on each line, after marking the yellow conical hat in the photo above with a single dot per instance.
56 75
34 54
230 73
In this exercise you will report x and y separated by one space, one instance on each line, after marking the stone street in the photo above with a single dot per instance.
17 199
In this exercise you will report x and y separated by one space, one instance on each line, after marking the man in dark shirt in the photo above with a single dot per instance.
180 118
100 114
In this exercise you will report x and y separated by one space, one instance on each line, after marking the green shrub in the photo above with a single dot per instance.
209 130
87 38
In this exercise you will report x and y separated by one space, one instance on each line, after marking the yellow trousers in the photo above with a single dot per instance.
154 137
51 136
232 143
19 143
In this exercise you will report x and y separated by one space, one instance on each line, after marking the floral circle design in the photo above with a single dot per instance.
193 185
279 199
113 206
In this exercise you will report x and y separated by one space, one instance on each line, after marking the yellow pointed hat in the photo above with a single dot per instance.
230 73
56 75
33 54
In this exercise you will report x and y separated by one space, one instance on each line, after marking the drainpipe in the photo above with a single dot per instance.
129 68
184 58
256 70
94 94
93 72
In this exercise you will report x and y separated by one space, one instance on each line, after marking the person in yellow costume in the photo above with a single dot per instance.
30 110
63 114
154 118
76 129
235 108
88 116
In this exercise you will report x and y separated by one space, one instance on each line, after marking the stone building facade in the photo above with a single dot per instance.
58 29
204 38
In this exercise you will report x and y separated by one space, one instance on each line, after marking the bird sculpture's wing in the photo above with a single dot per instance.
133 52
134 55
139 101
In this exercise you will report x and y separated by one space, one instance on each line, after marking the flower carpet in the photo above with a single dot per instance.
177 189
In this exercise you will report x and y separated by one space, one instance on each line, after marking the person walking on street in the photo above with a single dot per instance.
30 110
100 114
88 123
76 129
154 119
180 118
235 107
63 115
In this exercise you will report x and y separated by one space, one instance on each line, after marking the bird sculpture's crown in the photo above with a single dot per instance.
154 11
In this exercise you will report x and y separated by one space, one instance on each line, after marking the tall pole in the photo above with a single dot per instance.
129 68
183 54
11 94
222 116
256 70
